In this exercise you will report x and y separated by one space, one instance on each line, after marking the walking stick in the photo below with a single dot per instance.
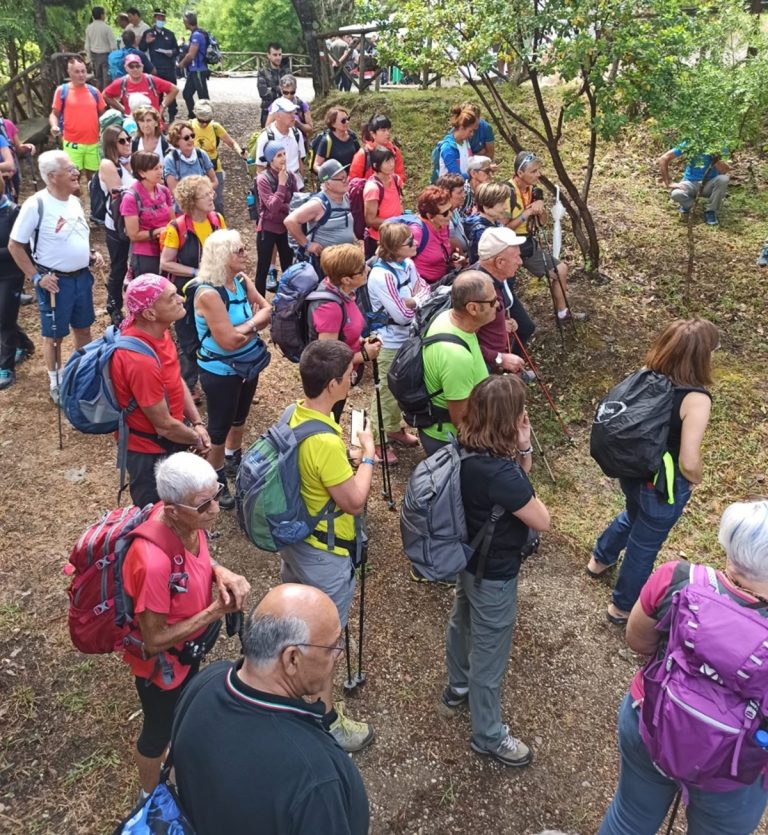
553 275
361 560
544 388
56 366
674 812
386 481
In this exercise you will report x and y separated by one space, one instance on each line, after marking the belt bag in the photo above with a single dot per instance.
197 648
247 364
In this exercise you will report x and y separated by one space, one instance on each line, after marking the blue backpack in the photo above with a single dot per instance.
87 396
437 152
270 508
412 219
65 92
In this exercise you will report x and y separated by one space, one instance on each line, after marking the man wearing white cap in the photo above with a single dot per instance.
284 131
499 257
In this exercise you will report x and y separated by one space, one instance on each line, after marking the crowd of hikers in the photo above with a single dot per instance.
426 304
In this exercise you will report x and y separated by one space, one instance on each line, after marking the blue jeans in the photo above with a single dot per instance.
644 794
642 529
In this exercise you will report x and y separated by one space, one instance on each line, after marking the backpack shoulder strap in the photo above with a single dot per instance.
444 337
215 219
94 92
270 135
199 153
323 219
160 535
40 213
424 237
311 427
138 346
328 143
151 84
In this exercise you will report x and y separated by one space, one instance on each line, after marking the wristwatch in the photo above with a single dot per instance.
498 359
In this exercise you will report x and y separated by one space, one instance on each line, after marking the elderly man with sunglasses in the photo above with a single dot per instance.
169 574
164 418
249 743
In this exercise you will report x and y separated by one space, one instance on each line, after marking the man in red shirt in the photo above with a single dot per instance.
75 116
165 419
159 91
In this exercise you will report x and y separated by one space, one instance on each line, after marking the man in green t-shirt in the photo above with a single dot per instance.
453 370
325 368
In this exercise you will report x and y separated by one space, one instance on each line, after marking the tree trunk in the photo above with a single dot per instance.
47 70
307 14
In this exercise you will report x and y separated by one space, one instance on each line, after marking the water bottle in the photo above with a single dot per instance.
250 201
761 738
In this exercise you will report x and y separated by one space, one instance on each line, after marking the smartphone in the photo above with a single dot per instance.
358 425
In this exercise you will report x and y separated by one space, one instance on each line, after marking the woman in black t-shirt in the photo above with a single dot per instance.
497 432
338 141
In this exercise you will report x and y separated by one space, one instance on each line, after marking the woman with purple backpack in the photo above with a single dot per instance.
697 710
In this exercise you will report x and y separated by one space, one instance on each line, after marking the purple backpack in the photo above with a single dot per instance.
707 696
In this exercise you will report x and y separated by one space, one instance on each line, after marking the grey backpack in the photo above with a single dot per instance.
432 521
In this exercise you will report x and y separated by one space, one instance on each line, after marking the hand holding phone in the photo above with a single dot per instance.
358 425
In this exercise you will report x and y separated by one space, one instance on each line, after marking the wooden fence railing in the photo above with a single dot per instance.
250 63
28 94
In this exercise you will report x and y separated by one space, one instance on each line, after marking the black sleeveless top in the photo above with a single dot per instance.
676 422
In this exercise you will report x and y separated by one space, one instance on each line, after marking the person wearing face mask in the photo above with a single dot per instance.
377 133
115 174
163 49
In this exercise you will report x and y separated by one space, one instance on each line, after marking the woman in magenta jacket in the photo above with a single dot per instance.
275 187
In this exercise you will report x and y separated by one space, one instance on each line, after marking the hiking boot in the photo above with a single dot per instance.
762 261
391 457
710 218
25 299
403 438
527 376
417 577
226 499
55 395
272 279
7 378
232 464
352 736
452 703
511 751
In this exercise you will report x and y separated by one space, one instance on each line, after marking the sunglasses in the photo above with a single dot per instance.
188 136
287 92
203 506
445 213
134 65
489 302
410 241
344 120
203 121
123 140
241 252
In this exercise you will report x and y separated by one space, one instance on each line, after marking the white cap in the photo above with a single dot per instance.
285 105
495 240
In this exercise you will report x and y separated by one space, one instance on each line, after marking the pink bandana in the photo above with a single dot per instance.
141 294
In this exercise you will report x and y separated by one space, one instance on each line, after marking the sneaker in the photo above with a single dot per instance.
55 395
452 703
7 378
417 577
403 438
762 261
232 464
391 457
511 751
352 736
710 218
21 355
572 316
527 376
25 299
272 279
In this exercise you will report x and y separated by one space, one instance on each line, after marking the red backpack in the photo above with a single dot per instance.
101 618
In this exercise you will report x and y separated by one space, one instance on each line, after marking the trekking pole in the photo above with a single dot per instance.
554 275
56 366
544 388
386 480
361 560
348 684
674 812
543 456
551 290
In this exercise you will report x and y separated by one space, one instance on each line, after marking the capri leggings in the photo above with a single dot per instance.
229 401
158 706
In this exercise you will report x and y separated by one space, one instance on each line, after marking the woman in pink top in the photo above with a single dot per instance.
376 134
437 257
339 317
382 196
147 207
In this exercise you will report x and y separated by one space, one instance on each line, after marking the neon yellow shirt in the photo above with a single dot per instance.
202 231
207 138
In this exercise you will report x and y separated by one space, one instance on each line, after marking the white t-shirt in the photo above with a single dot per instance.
294 151
64 239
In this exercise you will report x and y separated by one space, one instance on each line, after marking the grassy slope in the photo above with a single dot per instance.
644 253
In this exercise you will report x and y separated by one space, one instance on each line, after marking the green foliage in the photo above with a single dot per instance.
244 26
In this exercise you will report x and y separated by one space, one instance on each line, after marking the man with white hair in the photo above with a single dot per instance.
248 745
50 243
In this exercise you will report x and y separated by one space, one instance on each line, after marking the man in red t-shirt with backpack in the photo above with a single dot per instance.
159 91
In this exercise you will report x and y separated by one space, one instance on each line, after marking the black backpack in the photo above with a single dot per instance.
631 426
98 200
189 341
405 377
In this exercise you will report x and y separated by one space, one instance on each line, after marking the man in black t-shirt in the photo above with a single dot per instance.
250 754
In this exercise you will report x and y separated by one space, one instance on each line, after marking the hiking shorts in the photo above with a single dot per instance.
537 264
85 157
74 304
303 563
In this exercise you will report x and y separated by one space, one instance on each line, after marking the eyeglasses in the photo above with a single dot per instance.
134 65
188 136
70 169
340 178
490 302
344 120
410 242
203 506
123 140
336 648
241 252
445 213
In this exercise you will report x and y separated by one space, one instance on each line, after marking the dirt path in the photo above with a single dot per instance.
68 722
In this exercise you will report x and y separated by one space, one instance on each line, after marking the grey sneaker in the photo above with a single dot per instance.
511 751
352 736
452 703
55 395
762 261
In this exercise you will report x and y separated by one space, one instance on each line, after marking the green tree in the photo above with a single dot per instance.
616 61
242 26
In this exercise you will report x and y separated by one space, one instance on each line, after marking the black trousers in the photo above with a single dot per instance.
145 264
525 325
169 75
265 242
11 335
141 469
118 266
229 399
196 83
